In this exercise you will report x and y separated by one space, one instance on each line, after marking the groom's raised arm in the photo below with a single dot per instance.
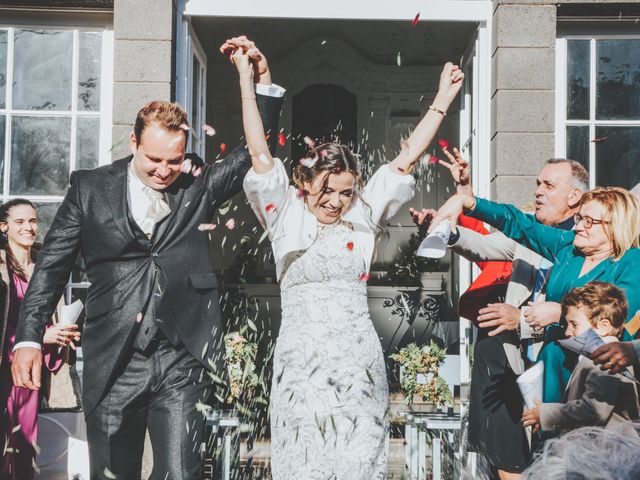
51 274
224 178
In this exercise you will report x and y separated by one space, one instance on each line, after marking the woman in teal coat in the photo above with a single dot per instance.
603 246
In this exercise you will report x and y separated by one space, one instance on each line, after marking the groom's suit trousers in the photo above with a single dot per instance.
158 390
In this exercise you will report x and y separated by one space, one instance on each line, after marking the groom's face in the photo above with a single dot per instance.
158 156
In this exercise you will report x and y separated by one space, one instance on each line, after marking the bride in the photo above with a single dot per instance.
329 396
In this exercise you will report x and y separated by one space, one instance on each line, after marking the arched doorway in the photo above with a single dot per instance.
325 113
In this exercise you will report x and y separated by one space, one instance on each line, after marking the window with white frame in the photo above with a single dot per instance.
598 106
54 110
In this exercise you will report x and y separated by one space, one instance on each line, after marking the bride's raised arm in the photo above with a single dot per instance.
450 83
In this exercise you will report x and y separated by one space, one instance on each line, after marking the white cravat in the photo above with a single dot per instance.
157 210
147 206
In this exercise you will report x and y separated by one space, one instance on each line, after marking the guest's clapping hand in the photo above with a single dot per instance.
531 417
460 170
262 74
499 316
615 356
62 335
542 314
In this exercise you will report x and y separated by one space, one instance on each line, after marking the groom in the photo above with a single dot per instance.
153 329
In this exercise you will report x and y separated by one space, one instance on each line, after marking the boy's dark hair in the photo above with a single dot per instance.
599 300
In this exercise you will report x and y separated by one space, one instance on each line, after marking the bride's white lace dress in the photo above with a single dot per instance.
329 396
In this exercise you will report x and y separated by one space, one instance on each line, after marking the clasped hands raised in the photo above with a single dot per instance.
246 56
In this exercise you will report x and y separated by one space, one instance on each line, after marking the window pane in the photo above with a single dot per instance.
42 70
618 80
87 143
45 213
578 145
2 144
40 155
578 54
89 71
618 156
3 67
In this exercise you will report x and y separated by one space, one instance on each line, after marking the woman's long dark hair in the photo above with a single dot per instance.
5 208
329 158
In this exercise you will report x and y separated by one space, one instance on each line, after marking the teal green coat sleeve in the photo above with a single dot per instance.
523 228
627 277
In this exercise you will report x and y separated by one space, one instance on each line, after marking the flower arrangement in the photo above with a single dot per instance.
420 373
240 355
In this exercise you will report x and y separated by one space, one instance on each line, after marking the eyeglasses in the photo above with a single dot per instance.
587 221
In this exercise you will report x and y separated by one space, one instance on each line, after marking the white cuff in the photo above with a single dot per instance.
27 344
272 90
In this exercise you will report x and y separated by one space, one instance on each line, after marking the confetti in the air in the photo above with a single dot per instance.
308 162
270 208
223 148
186 166
599 140
185 127
399 59
431 159
282 139
196 172
443 143
204 227
309 141
415 21
231 224
324 42
209 130
350 245
364 277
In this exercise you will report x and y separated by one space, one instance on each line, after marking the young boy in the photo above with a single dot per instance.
592 397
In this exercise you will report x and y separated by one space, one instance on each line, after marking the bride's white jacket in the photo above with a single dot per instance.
282 210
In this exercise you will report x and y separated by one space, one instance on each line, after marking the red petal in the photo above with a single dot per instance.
350 245
282 139
270 208
431 159
223 148
364 277
414 22
443 143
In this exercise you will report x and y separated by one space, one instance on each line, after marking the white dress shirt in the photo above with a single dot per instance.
292 227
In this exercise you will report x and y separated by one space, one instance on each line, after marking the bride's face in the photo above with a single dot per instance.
328 201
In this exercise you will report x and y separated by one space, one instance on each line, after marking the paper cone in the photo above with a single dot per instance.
530 384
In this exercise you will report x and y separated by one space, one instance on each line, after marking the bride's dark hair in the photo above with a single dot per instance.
327 157
330 158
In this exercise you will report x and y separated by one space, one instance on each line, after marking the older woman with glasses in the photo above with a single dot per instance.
603 246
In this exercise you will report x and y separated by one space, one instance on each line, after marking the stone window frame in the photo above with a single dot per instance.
50 202
561 121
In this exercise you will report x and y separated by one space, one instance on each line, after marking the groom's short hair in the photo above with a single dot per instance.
167 115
